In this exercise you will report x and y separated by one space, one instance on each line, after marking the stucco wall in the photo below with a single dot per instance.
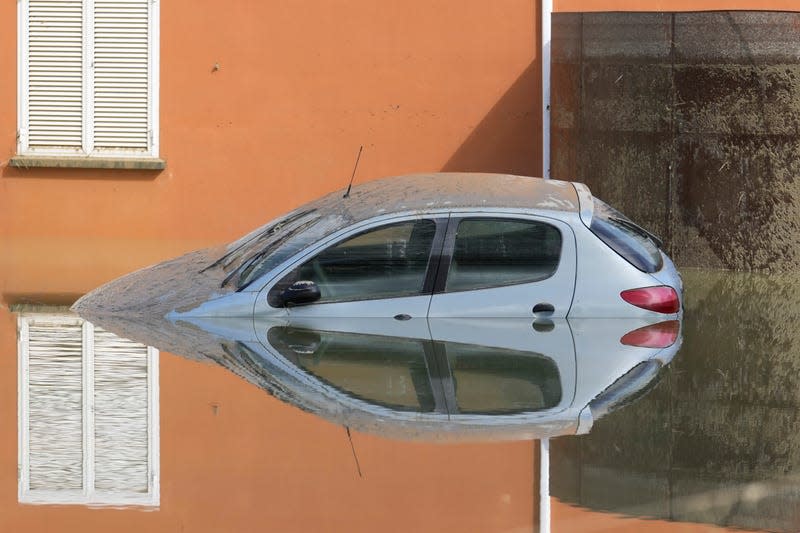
301 85
423 86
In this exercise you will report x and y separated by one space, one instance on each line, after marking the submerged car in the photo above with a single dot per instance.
427 245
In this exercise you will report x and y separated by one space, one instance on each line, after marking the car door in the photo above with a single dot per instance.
382 270
505 265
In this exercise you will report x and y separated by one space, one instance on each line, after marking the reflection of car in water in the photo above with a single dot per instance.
441 379
423 377
435 245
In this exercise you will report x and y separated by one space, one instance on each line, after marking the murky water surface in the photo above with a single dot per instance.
449 413
716 441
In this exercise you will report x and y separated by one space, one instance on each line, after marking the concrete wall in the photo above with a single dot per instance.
687 122
586 6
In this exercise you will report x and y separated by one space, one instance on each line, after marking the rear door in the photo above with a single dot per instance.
505 265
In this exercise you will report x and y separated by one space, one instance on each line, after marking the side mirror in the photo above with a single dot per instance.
300 292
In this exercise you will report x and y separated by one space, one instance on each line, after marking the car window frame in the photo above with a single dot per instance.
440 285
277 275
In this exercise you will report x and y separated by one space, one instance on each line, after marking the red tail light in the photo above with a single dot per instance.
658 335
661 299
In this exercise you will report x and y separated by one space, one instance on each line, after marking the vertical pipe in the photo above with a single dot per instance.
544 444
547 12
544 486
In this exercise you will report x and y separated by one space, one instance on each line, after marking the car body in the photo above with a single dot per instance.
442 245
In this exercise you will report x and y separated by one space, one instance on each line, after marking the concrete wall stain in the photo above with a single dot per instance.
688 122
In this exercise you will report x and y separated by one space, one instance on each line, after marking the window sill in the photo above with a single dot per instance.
123 163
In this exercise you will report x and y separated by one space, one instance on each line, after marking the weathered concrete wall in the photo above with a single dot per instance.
689 123
585 6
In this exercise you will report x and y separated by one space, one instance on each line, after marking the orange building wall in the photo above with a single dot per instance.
423 85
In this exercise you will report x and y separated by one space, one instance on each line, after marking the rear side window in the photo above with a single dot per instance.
501 381
635 244
491 252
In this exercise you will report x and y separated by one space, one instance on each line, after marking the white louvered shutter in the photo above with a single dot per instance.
121 62
55 75
55 392
88 415
120 414
88 74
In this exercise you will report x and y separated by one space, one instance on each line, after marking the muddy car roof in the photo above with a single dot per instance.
267 246
449 190
276 241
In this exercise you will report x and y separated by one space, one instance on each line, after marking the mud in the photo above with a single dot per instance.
688 122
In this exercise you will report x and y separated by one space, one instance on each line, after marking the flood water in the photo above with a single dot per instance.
715 442
356 427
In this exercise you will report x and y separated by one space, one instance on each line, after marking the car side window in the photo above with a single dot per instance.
502 381
387 262
492 252
386 371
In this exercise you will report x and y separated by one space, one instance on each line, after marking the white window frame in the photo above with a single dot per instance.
89 495
88 149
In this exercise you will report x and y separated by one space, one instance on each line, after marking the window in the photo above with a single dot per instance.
636 245
254 255
387 371
502 381
88 415
418 375
88 73
495 252
387 262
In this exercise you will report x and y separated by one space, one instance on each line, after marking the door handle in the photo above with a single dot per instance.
543 308
402 316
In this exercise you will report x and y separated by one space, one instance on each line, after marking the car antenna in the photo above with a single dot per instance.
349 185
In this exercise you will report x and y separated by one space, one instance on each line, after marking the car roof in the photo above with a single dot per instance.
415 193
446 190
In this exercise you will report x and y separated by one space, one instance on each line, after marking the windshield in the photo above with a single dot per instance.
262 250
635 244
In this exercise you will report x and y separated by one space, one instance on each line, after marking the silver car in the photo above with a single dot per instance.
447 245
